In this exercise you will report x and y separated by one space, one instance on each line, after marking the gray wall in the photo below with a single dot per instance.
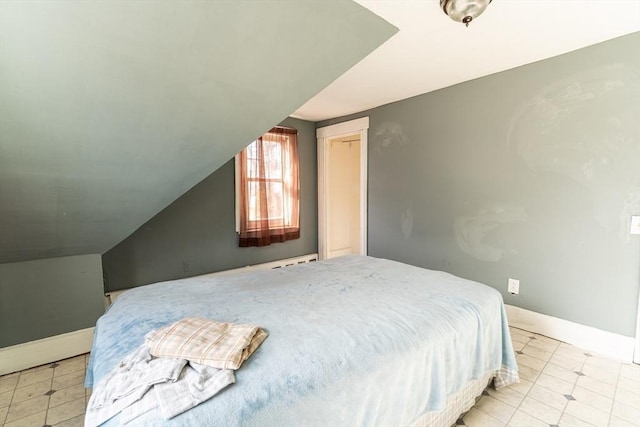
111 110
47 297
531 173
196 234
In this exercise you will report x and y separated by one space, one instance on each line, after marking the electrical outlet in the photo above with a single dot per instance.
185 266
513 286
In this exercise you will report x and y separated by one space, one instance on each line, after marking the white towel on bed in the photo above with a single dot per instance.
141 383
128 382
197 384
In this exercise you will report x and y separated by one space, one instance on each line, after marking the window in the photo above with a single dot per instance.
267 189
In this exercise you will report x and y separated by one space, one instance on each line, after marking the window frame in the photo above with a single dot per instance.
286 220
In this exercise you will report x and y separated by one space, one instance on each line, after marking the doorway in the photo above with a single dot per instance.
342 189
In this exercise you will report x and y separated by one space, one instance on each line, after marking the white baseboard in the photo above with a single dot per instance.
586 337
46 350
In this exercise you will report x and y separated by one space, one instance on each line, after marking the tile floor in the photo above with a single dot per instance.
560 385
49 395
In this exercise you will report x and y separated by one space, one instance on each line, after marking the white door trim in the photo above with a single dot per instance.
636 351
324 135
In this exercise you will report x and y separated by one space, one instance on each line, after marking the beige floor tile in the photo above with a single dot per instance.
626 412
3 414
518 346
630 371
540 410
32 420
27 408
618 422
604 375
627 397
68 366
32 390
604 363
37 368
593 399
554 384
73 422
544 345
522 339
527 373
597 386
68 380
538 353
561 373
571 421
628 384
548 397
495 408
522 387
571 353
566 362
476 418
5 398
522 419
587 413
67 395
531 362
66 411
9 382
33 376
517 331
545 338
507 395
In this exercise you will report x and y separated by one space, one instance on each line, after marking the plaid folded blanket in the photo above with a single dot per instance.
207 342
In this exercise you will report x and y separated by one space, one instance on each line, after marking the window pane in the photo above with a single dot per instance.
253 194
273 159
276 210
252 160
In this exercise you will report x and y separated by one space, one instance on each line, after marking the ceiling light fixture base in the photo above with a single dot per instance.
464 11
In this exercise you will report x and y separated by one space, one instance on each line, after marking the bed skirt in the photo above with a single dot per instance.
456 404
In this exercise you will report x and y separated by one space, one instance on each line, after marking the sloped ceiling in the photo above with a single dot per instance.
110 110
431 51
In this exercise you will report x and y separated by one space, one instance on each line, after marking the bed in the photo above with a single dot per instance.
353 341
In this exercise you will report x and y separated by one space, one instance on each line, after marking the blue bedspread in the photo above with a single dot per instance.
353 341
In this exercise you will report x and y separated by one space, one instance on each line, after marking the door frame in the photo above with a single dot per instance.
324 135
636 350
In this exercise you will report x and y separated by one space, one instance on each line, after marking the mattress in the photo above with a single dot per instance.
353 341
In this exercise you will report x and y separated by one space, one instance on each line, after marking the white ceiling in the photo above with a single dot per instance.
431 51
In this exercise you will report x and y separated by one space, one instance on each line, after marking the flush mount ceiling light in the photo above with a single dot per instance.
464 11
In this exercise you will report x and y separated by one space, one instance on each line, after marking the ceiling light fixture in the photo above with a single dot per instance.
464 11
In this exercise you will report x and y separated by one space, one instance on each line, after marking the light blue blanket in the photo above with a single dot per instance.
353 341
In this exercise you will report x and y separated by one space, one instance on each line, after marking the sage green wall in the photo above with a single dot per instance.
48 297
531 173
196 234
111 110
